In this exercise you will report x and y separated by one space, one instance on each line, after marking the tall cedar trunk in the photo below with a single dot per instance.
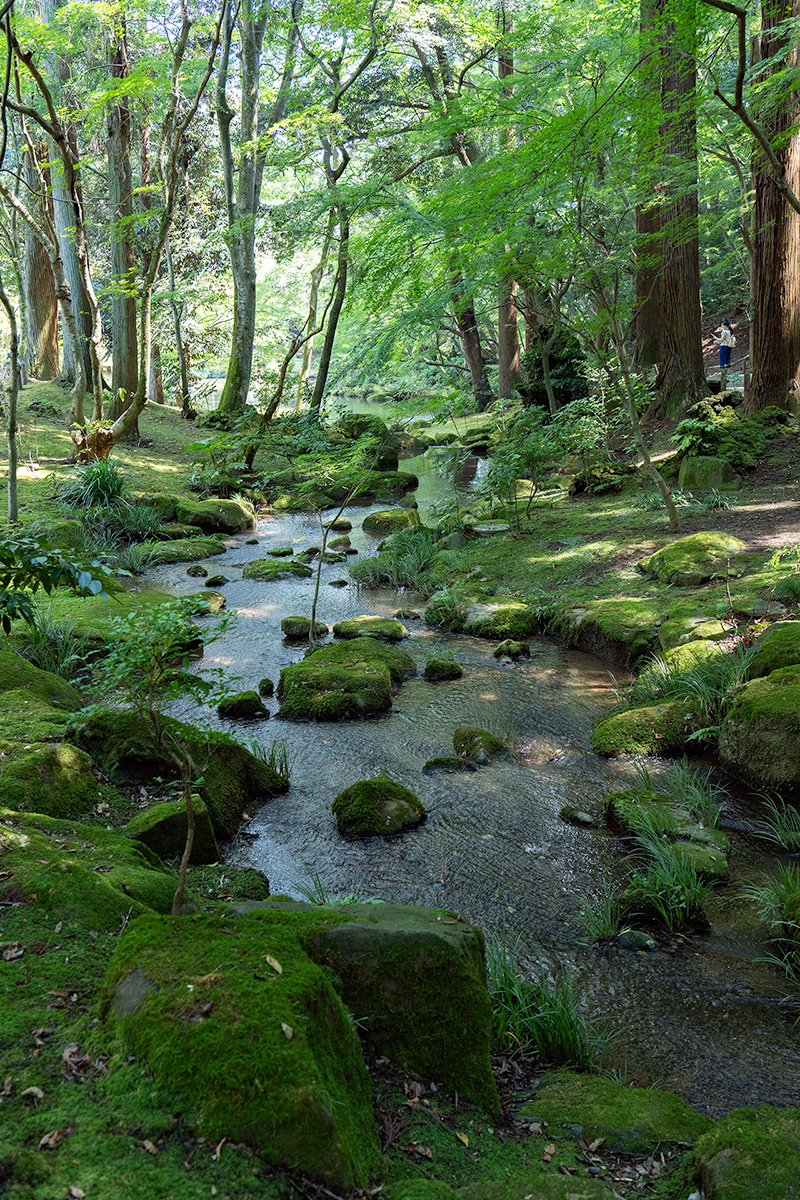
464 311
776 260
507 315
313 308
40 292
11 411
124 373
336 307
648 215
681 376
65 229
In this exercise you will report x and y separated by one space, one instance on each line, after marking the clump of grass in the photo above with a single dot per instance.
707 683
278 756
55 644
777 900
665 888
314 891
694 790
781 824
99 482
538 1019
137 558
447 609
402 564
602 916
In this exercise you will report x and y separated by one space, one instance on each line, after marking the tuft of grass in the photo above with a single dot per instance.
781 824
777 900
694 790
665 888
402 564
707 683
315 892
602 916
137 558
99 482
54 644
277 756
532 1018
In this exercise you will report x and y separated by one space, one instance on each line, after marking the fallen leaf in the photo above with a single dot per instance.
8 1084
287 1030
537 1127
416 1148
273 962
13 951
149 1147
51 1139
76 1193
218 1151
596 1143
548 1152
204 980
59 927
567 1170
34 1095
414 1089
462 1137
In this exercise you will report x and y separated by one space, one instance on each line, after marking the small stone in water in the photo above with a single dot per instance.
634 939
251 542
337 583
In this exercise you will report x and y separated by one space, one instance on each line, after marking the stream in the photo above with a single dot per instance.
702 1016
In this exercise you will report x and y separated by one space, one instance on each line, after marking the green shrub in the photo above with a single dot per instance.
99 482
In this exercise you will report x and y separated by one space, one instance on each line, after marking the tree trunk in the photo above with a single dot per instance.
508 339
336 307
649 184
41 306
65 229
124 371
681 375
776 258
11 412
313 307
464 311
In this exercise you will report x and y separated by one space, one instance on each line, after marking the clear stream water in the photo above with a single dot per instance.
702 1017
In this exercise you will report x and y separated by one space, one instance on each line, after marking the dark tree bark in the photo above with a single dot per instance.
340 292
648 216
507 313
124 372
65 230
40 292
464 311
776 258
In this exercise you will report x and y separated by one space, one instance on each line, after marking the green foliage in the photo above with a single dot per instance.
777 900
694 790
28 564
100 482
55 644
567 371
666 888
602 916
708 683
781 825
715 430
402 564
526 445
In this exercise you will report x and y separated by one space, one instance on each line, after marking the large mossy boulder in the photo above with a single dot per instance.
52 778
705 473
501 617
343 682
478 744
232 777
78 873
237 1021
778 646
621 630
267 570
693 560
418 977
385 628
390 520
190 549
654 729
760 736
215 516
750 1154
635 1121
376 807
163 828
298 629
17 674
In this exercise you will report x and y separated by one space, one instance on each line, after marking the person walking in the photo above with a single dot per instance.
726 341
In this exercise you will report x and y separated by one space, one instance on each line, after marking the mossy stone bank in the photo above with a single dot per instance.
163 828
376 807
385 628
53 778
347 681
760 736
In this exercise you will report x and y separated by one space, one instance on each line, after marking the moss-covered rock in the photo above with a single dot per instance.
24 716
343 682
298 629
706 861
340 543
390 520
449 764
65 532
219 881
340 525
631 1120
621 630
266 687
215 581
163 828
196 571
694 559
242 706
751 1152
385 628
674 661
232 777
513 649
376 808
54 779
706 473
655 729
180 550
215 516
691 621
257 1055
760 736
501 617
439 669
164 502
267 570
19 675
280 551
778 646
478 744
209 600
418 976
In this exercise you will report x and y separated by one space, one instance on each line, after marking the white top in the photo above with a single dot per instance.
726 338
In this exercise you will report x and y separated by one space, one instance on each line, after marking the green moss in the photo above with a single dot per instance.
501 617
242 706
298 628
751 1152
437 669
384 628
267 570
215 516
477 744
218 881
165 504
184 550
632 1120
390 520
449 763
53 779
706 473
232 777
691 620
512 649
376 808
24 717
760 736
343 682
656 729
66 533
693 559
91 614
778 646
255 1055
621 630
707 861
280 551
163 828
675 660
17 674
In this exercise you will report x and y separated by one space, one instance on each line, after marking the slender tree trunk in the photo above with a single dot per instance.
156 375
65 229
507 314
649 183
464 311
124 371
11 410
313 307
336 307
776 258
42 308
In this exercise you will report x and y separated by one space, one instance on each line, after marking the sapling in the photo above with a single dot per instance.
145 674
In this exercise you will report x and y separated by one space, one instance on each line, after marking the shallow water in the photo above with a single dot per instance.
703 1018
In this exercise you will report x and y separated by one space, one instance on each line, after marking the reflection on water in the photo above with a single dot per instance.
701 1016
